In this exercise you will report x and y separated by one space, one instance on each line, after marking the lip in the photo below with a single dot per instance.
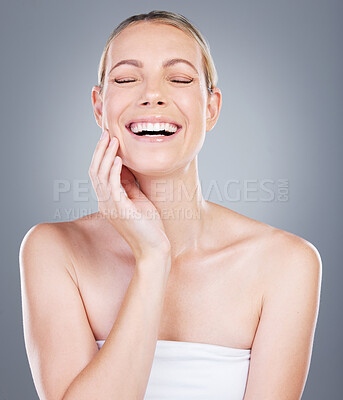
154 119
150 139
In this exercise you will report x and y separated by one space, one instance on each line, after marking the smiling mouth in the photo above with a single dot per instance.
152 133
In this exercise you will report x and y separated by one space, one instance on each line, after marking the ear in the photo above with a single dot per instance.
214 103
97 104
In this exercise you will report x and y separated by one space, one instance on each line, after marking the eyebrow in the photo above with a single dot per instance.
166 64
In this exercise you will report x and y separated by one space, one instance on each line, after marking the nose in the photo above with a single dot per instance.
153 95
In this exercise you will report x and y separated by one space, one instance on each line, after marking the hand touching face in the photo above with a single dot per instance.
156 70
123 203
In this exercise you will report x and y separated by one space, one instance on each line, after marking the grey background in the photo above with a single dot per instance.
279 65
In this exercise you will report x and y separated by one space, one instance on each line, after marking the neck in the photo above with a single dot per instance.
178 198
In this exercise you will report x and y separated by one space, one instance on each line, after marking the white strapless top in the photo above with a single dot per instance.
188 370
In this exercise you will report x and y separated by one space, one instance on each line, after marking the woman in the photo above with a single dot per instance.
162 294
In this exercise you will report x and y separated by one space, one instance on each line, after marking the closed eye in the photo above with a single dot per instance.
174 80
133 80
123 80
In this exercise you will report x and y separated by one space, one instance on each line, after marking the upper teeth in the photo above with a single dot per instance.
164 126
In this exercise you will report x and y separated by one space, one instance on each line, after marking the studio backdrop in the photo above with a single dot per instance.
274 154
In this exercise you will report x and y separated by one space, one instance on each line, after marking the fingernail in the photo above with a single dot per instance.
103 135
116 160
113 140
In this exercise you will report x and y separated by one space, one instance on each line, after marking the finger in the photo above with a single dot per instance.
98 154
107 161
118 193
129 184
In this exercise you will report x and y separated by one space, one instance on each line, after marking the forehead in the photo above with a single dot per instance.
139 39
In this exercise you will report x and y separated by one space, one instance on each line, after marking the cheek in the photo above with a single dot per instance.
191 103
114 104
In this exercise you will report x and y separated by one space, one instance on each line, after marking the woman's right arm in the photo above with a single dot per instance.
121 369
62 352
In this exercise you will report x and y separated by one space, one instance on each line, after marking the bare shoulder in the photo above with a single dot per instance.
74 245
44 238
60 230
276 253
274 243
55 241
286 262
293 257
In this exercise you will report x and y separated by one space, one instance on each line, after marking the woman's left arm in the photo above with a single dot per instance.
282 347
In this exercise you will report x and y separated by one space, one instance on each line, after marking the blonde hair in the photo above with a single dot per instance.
169 18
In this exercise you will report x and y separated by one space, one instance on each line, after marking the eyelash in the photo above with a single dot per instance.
129 81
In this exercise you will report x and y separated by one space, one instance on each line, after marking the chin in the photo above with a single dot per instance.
151 169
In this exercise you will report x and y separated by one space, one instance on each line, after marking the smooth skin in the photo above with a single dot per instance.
222 279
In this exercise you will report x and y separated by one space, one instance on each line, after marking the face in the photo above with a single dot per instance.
152 89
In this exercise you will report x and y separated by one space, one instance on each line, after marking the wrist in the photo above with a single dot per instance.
154 261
